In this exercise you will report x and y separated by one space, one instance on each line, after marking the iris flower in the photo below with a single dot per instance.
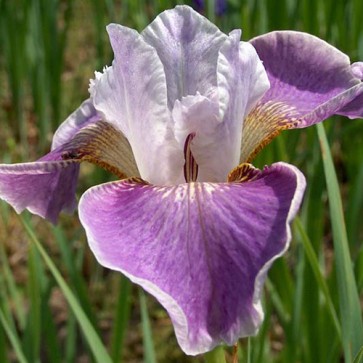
178 117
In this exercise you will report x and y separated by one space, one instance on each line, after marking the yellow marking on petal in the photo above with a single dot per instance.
101 144
263 124
243 173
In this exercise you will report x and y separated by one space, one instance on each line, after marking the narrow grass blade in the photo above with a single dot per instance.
3 355
94 341
121 319
351 319
314 264
359 356
33 331
149 352
14 340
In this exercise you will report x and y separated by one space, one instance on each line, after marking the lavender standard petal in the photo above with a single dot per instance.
202 249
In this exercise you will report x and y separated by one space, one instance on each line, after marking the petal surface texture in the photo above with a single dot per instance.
132 96
85 115
44 187
217 117
187 45
202 249
310 81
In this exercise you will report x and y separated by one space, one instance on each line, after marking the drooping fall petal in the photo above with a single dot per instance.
47 186
310 81
202 249
85 115
43 187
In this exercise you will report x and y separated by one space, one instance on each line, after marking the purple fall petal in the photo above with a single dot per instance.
306 72
202 249
310 81
85 115
44 187
47 186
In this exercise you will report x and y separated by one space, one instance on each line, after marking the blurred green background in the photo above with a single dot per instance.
49 49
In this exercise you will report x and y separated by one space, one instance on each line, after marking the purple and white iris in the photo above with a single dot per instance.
178 116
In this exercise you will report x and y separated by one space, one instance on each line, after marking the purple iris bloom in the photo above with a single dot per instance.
178 117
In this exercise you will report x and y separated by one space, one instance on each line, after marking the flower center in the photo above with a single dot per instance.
190 166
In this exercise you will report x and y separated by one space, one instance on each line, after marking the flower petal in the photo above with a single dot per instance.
310 81
188 45
202 249
131 95
242 81
199 115
47 186
103 145
44 187
85 115
216 119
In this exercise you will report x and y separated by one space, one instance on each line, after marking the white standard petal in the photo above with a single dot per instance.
242 81
131 95
188 45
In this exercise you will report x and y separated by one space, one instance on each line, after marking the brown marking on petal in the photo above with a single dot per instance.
263 124
190 166
103 145
243 173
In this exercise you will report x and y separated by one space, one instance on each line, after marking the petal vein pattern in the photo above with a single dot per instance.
310 81
202 249
187 45
131 95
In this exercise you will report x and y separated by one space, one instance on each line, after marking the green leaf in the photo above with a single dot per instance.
314 264
94 341
350 312
149 353
359 356
13 338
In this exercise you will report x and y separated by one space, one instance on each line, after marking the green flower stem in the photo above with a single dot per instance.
215 356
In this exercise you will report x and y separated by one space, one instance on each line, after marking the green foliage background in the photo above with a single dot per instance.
56 303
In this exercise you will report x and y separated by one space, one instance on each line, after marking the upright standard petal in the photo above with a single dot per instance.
187 45
216 119
131 95
202 249
242 81
310 81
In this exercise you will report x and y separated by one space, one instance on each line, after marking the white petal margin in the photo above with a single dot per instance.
85 115
188 45
131 95
202 249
